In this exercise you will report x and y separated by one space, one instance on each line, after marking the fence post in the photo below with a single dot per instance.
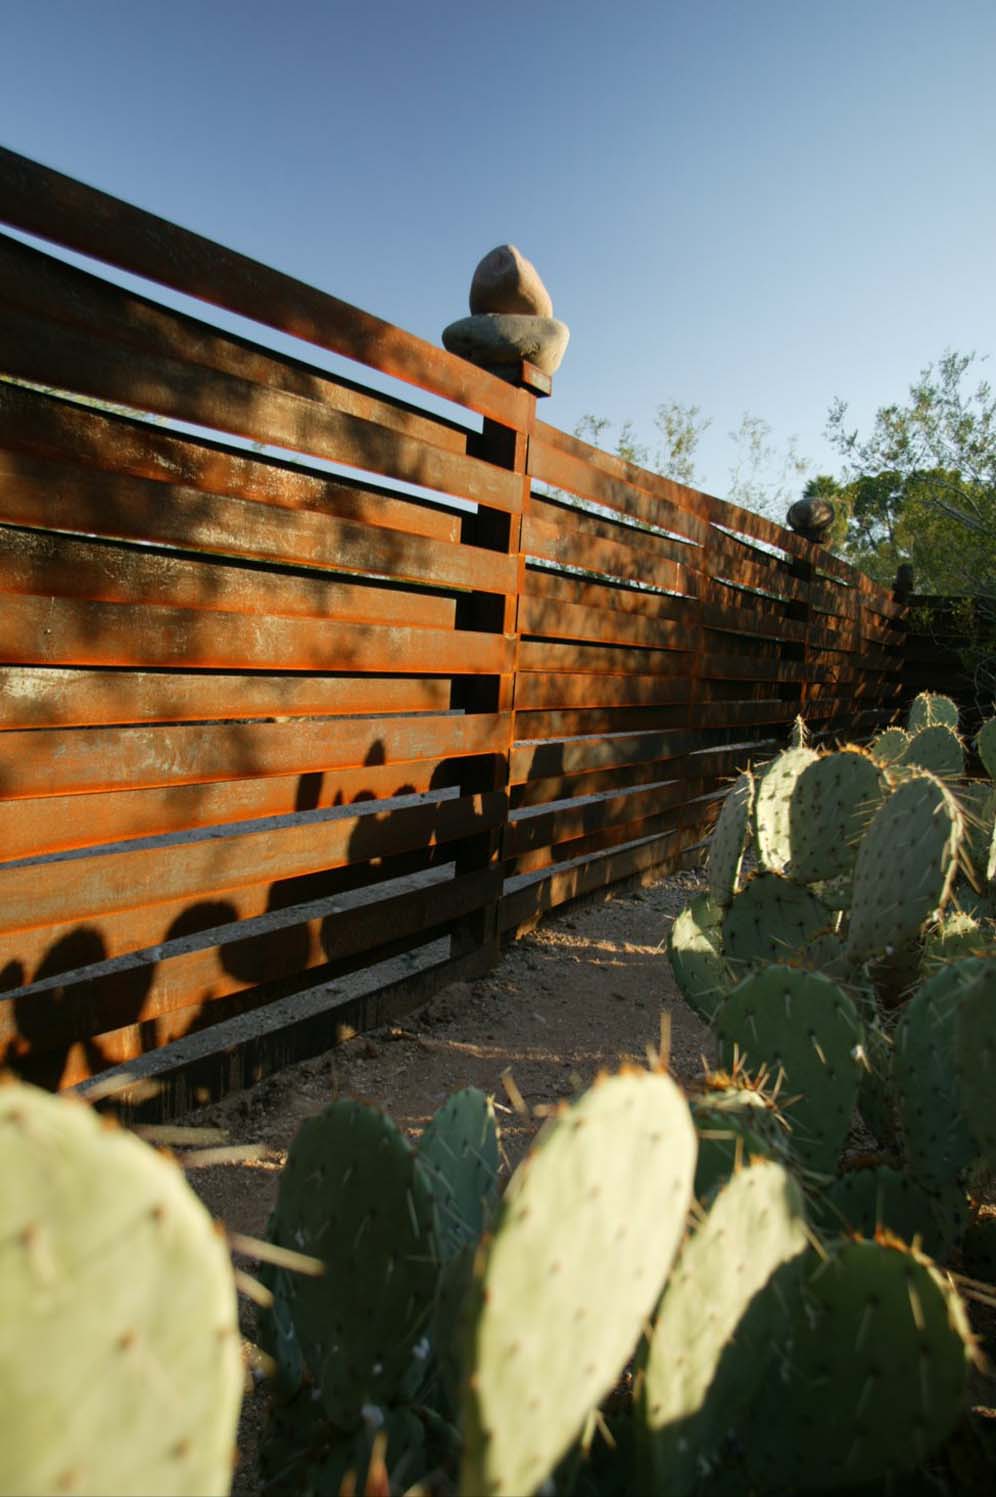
497 530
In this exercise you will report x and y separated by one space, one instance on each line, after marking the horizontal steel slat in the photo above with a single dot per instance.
57 823
43 564
47 353
52 206
572 545
536 690
55 497
34 281
80 439
243 961
69 762
46 893
587 479
68 631
51 697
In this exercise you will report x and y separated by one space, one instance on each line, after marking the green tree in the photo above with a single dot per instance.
921 486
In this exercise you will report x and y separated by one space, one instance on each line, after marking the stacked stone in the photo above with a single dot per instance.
812 518
511 318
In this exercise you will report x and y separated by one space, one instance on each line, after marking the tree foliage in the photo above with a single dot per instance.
920 487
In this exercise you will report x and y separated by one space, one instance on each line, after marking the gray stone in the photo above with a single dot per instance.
505 281
812 518
492 339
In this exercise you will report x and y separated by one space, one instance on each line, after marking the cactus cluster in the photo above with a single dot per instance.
655 1269
856 964
857 958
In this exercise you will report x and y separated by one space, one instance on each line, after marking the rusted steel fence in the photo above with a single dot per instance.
269 720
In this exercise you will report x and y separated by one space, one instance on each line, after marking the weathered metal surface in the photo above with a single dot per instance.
33 348
82 440
73 631
59 697
46 893
31 281
53 496
56 823
132 758
55 207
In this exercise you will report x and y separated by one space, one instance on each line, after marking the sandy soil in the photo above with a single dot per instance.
588 988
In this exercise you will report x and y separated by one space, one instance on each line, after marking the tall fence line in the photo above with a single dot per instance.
264 724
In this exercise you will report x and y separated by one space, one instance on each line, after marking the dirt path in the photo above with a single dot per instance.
582 992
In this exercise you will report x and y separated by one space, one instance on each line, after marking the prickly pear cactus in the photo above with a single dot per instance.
938 1142
889 746
449 1321
729 841
772 807
583 1242
832 803
865 1201
875 1378
735 1122
876 1088
803 1024
975 1059
275 1323
906 866
120 1355
772 919
701 1369
985 746
929 710
353 1195
937 749
955 936
459 1153
695 947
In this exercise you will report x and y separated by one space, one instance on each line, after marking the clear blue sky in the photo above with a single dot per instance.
746 204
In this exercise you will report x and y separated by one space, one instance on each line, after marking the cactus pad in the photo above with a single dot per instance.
120 1357
583 1242
275 1323
832 803
889 746
937 1141
695 947
459 1153
801 1023
864 1201
353 1195
937 749
876 1091
879 1367
734 1124
905 868
702 1368
930 710
975 1058
771 919
729 839
956 936
985 746
772 807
